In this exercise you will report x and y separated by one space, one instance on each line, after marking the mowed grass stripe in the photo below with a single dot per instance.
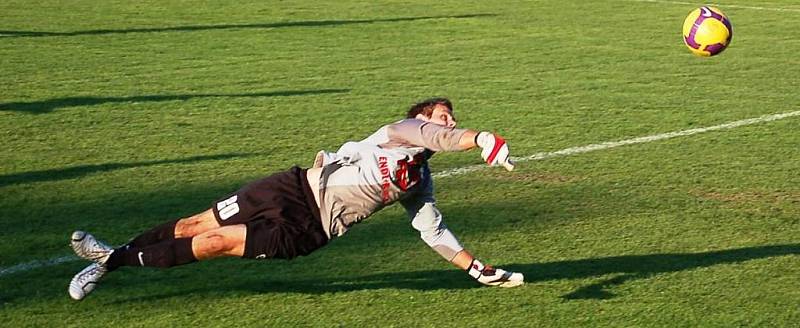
22 267
722 5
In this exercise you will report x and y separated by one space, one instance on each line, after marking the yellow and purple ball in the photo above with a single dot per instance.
707 31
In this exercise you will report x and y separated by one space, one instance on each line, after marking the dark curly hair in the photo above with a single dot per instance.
426 107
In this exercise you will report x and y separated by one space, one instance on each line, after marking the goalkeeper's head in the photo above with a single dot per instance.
434 110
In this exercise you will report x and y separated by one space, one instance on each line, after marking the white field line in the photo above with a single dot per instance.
721 6
22 267
464 170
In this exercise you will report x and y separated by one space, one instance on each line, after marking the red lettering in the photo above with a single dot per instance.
386 180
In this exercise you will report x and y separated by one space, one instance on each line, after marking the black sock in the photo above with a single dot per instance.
154 236
162 255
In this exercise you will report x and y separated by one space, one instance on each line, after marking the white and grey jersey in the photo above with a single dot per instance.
390 165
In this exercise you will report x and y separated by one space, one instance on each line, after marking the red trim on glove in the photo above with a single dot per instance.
498 143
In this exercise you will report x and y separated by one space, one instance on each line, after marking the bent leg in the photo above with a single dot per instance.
196 224
223 241
182 228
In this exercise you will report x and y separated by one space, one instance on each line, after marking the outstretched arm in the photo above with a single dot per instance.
427 219
418 133
467 140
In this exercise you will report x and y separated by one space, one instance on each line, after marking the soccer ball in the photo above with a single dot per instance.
707 31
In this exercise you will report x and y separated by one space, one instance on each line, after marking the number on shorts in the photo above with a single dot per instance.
227 208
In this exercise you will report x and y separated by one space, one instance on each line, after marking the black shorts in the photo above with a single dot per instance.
280 213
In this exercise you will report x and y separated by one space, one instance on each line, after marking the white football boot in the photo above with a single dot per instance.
87 247
85 281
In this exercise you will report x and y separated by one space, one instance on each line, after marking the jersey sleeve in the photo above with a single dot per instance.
426 218
418 133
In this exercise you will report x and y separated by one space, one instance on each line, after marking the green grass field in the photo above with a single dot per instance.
118 115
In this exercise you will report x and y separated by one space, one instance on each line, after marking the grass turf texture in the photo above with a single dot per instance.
116 116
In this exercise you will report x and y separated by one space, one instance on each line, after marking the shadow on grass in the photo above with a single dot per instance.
193 28
333 269
632 267
46 106
83 170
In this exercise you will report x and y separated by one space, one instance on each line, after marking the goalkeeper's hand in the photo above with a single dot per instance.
494 150
490 276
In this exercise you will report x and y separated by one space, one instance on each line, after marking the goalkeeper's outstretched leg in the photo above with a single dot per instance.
222 241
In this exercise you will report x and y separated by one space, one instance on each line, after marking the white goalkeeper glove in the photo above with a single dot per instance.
490 276
494 150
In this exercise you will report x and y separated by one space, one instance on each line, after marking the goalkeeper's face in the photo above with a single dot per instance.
441 115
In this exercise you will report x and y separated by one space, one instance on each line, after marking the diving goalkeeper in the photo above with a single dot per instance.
295 212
